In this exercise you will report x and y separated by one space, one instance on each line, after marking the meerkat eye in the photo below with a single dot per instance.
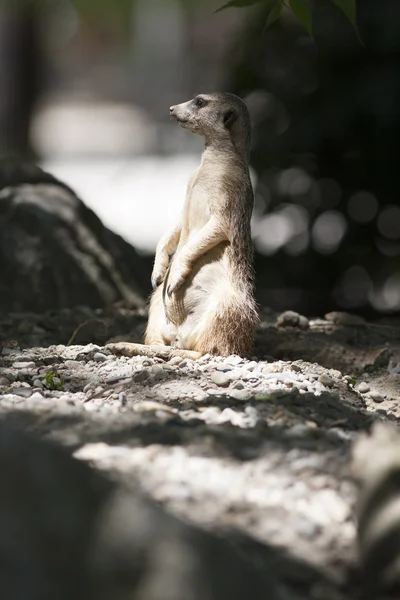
199 102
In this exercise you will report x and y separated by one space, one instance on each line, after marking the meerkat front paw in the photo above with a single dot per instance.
159 271
176 279
156 279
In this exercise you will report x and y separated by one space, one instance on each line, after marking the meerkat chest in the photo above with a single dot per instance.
197 206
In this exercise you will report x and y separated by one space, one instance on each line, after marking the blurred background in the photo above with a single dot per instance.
86 89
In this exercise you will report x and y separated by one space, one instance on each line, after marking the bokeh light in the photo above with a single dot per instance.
328 231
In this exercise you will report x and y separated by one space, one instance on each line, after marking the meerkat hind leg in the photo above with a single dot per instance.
151 351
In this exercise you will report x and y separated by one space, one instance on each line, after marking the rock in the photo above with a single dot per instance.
158 373
251 365
290 318
141 375
36 396
345 319
100 357
4 381
225 368
23 392
238 385
272 368
234 360
220 379
24 365
363 387
54 250
241 395
326 380
213 392
122 530
376 396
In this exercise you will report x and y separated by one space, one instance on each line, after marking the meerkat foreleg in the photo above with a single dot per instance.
209 236
165 247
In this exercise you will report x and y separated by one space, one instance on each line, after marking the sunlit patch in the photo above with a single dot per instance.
353 288
328 231
362 207
389 222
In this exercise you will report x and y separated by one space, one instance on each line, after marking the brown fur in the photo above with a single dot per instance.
203 301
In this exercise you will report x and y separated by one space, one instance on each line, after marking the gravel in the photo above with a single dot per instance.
258 445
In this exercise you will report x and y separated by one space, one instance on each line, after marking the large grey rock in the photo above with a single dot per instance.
54 250
68 532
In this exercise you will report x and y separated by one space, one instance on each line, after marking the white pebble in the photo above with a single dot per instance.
220 379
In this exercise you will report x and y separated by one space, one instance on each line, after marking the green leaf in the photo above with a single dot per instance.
273 15
238 3
348 8
302 11
53 381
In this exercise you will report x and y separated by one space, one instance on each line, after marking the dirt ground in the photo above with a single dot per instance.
257 449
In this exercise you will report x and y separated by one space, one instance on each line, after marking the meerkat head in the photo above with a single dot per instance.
217 117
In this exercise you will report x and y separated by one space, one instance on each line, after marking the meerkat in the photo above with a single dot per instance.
203 292
376 465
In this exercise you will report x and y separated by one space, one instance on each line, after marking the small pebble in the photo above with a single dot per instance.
220 379
100 357
250 366
363 388
24 365
4 381
272 368
224 368
307 529
37 383
290 318
238 385
23 392
35 396
234 360
212 392
376 396
326 380
242 395
141 375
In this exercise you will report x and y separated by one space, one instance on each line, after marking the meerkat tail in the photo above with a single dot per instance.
376 464
166 352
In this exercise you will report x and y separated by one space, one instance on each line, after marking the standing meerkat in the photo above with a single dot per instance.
203 299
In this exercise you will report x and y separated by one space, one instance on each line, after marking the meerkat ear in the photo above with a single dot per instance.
229 118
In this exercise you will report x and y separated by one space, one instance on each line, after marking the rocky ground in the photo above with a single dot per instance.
258 446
